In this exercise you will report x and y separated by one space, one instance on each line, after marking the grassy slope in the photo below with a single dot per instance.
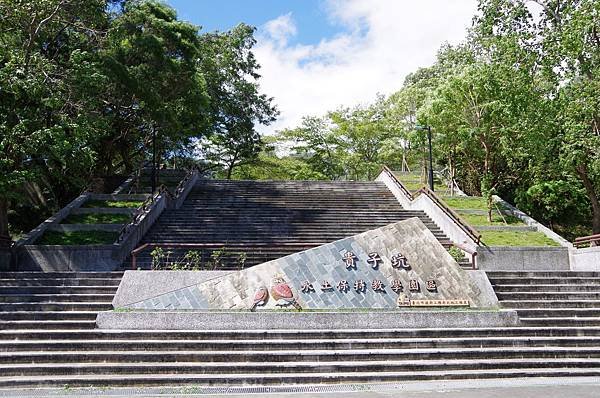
77 238
97 218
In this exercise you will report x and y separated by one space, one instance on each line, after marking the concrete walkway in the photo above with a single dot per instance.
500 388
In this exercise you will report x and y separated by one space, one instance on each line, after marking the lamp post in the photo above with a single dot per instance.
428 128
153 183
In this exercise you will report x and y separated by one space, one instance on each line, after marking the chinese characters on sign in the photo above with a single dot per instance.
398 261
343 286
350 260
374 260
307 287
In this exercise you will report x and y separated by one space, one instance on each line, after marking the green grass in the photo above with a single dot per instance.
464 202
78 238
112 203
516 238
481 219
97 218
416 185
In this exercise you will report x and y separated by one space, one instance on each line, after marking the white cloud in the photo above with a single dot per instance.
386 40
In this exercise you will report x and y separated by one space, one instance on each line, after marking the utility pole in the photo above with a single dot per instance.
430 159
428 128
153 159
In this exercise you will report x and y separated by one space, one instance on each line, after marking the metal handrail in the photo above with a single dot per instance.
140 212
467 250
403 189
472 232
145 246
591 240
469 230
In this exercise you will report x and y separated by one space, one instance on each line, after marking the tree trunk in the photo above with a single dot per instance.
230 170
4 234
591 193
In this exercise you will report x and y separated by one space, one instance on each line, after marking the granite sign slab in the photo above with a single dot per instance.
387 267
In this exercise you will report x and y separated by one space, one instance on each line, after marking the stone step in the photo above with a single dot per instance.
542 274
547 288
153 344
265 378
27 327
561 321
55 306
60 282
545 281
582 295
241 368
58 289
48 315
559 312
41 298
203 356
55 275
428 333
550 304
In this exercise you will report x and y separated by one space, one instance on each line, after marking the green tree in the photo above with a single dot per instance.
237 106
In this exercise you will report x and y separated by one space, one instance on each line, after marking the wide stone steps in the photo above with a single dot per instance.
550 288
309 335
33 302
301 344
43 325
61 275
227 356
288 216
60 289
550 304
59 282
262 378
243 368
38 298
550 298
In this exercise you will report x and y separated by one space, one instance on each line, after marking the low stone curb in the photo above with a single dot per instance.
226 320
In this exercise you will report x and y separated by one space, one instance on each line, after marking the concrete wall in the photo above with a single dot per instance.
523 258
38 231
49 258
453 230
142 285
5 259
585 259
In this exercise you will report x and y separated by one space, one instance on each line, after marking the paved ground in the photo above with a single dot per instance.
500 388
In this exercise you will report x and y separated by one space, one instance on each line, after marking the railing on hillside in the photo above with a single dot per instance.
206 246
140 212
471 252
469 230
401 186
587 241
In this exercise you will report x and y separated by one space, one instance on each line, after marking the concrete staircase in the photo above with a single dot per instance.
48 341
38 301
550 298
265 220
59 358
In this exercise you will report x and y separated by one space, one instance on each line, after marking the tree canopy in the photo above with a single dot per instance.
85 86
514 110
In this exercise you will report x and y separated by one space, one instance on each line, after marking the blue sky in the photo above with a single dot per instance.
319 55
224 14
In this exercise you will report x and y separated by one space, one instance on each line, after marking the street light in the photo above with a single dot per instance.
428 128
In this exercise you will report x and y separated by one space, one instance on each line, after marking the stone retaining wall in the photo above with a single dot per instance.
342 320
